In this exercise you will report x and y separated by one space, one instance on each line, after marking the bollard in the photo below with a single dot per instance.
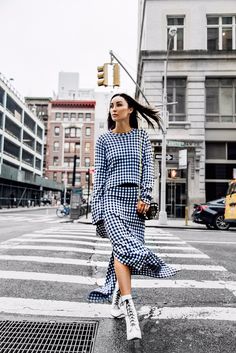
186 216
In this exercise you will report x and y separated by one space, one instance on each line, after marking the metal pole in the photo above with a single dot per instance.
74 170
87 210
163 214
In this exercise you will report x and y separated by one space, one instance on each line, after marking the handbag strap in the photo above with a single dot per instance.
140 169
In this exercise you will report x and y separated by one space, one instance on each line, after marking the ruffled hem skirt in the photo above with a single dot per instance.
125 230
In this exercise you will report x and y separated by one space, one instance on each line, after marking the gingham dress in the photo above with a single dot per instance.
117 161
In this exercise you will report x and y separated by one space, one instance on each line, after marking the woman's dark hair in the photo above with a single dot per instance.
148 113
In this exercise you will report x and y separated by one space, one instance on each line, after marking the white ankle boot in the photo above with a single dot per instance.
131 318
115 306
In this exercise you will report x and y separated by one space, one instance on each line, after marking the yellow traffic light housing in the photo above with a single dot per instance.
102 75
116 75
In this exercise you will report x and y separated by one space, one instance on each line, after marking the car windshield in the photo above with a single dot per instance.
220 201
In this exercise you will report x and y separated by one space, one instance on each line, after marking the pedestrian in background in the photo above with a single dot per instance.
123 166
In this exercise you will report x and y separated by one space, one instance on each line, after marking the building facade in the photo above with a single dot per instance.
39 106
71 133
21 150
201 78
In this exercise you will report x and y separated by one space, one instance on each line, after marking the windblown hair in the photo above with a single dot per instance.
148 113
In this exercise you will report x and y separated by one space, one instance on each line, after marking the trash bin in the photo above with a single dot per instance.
75 203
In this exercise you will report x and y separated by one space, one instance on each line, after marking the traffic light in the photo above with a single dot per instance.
116 75
103 75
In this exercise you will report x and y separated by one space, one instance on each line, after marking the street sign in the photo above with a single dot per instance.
183 159
169 157
173 143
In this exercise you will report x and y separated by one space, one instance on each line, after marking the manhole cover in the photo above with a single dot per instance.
47 337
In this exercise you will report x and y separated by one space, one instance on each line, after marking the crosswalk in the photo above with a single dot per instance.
30 218
50 273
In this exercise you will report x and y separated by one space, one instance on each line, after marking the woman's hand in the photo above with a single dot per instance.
142 207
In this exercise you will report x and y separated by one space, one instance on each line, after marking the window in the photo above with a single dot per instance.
220 100
87 131
54 176
69 162
38 147
38 163
27 158
70 147
55 161
219 171
80 117
58 116
177 43
29 122
176 92
220 32
56 131
88 117
1 96
73 116
87 147
55 146
77 147
215 150
87 162
65 116
231 150
72 132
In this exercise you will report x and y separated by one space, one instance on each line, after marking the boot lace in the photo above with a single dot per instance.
117 298
131 313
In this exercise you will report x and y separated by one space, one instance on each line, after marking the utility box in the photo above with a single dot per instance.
75 203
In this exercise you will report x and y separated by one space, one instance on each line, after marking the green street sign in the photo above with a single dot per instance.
173 143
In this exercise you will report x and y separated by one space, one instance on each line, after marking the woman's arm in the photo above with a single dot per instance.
147 179
99 182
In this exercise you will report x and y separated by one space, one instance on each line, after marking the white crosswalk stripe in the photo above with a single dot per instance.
64 247
31 218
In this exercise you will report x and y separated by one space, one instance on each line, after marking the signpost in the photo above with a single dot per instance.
169 157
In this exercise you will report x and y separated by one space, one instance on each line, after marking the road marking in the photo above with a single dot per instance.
91 251
161 240
136 283
190 313
69 261
212 242
108 245
41 307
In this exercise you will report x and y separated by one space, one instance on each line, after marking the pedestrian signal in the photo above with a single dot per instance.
102 75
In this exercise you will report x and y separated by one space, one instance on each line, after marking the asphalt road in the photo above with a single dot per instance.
47 269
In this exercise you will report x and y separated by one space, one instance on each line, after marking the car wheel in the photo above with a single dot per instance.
210 226
220 224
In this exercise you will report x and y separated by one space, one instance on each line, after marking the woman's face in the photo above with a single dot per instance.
119 109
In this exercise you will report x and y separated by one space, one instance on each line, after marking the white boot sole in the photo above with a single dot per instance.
117 314
134 335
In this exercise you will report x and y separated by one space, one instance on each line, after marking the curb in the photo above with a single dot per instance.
158 226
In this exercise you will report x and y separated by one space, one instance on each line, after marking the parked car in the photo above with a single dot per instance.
230 204
211 214
45 201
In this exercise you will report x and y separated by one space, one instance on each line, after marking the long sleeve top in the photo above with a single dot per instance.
117 161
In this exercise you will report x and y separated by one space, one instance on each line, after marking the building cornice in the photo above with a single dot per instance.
188 54
73 104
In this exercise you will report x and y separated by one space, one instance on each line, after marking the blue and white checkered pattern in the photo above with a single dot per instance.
117 161
126 232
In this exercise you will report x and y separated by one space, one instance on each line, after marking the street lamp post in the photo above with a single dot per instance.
163 215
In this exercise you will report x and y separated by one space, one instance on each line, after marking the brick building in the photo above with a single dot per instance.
70 132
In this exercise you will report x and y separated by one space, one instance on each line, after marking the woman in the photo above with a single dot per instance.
123 167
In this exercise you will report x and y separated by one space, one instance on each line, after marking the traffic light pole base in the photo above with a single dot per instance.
163 218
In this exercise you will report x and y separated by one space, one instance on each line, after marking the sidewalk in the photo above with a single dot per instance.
22 209
171 223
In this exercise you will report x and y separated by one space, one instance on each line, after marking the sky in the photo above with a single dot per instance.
40 38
